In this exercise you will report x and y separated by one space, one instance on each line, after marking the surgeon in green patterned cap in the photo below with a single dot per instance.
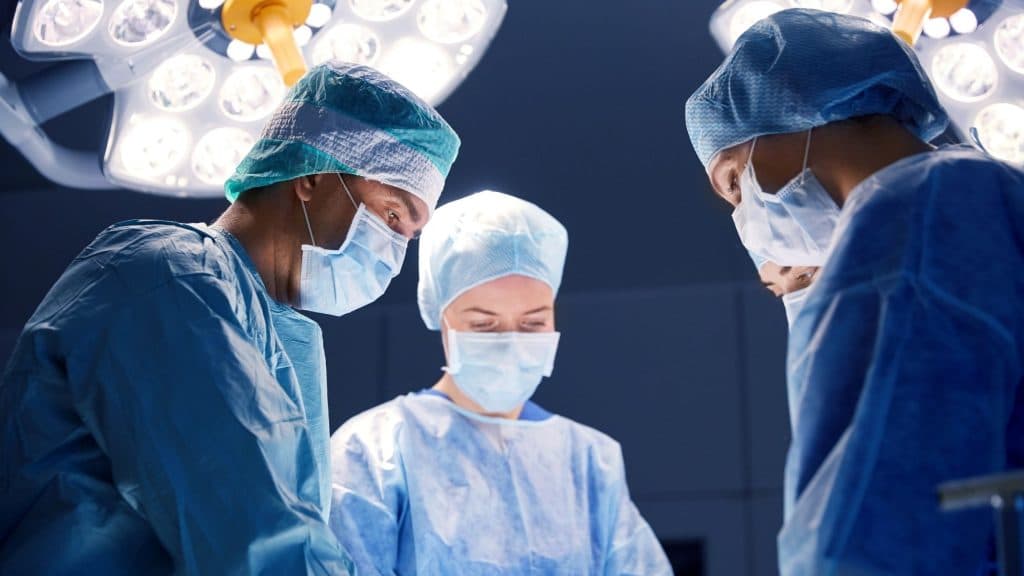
166 403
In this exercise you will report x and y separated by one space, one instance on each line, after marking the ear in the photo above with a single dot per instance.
304 186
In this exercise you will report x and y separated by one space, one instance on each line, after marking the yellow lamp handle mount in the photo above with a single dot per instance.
272 22
912 14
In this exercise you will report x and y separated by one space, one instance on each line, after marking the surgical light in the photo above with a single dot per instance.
964 21
747 14
839 6
884 7
139 22
240 51
319 15
1009 42
419 65
937 28
218 152
153 146
964 71
64 22
380 10
451 21
974 56
191 95
181 83
251 93
347 42
1000 129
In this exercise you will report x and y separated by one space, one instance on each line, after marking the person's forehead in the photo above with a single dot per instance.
527 291
417 207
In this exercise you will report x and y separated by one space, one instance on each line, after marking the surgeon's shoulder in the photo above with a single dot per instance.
146 254
954 174
959 166
602 451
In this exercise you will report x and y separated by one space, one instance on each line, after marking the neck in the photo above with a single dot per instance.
449 388
854 151
264 226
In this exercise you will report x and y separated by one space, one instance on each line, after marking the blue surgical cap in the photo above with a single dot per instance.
483 237
799 69
351 119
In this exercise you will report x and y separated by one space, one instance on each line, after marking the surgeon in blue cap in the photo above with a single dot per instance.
164 411
906 357
470 476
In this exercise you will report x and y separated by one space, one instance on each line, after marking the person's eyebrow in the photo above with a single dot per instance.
479 310
536 310
410 206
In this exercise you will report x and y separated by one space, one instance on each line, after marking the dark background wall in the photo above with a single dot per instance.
669 343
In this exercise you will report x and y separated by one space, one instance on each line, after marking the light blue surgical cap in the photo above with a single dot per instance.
483 237
799 69
352 119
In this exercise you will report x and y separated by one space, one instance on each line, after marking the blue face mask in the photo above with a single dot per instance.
339 281
500 371
793 226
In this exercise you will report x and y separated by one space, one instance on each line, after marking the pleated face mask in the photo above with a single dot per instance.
793 226
339 281
500 371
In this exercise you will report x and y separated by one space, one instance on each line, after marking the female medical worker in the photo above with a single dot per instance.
470 477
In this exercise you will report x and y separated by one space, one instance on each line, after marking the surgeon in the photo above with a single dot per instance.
905 359
470 476
164 410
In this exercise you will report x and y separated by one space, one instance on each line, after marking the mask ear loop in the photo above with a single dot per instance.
308 227
807 155
448 345
750 157
347 191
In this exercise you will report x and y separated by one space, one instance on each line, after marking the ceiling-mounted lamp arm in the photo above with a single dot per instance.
67 167
61 88
270 22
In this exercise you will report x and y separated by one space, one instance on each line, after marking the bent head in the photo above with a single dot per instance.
359 162
785 140
490 268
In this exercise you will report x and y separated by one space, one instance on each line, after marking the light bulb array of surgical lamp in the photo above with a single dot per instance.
191 98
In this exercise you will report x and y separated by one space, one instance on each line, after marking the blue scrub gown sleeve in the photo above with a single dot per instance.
368 489
634 550
204 442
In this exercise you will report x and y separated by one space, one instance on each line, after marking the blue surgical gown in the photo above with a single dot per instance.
422 486
904 370
153 422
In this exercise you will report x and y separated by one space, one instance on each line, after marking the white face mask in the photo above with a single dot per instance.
793 226
339 281
500 371
794 302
